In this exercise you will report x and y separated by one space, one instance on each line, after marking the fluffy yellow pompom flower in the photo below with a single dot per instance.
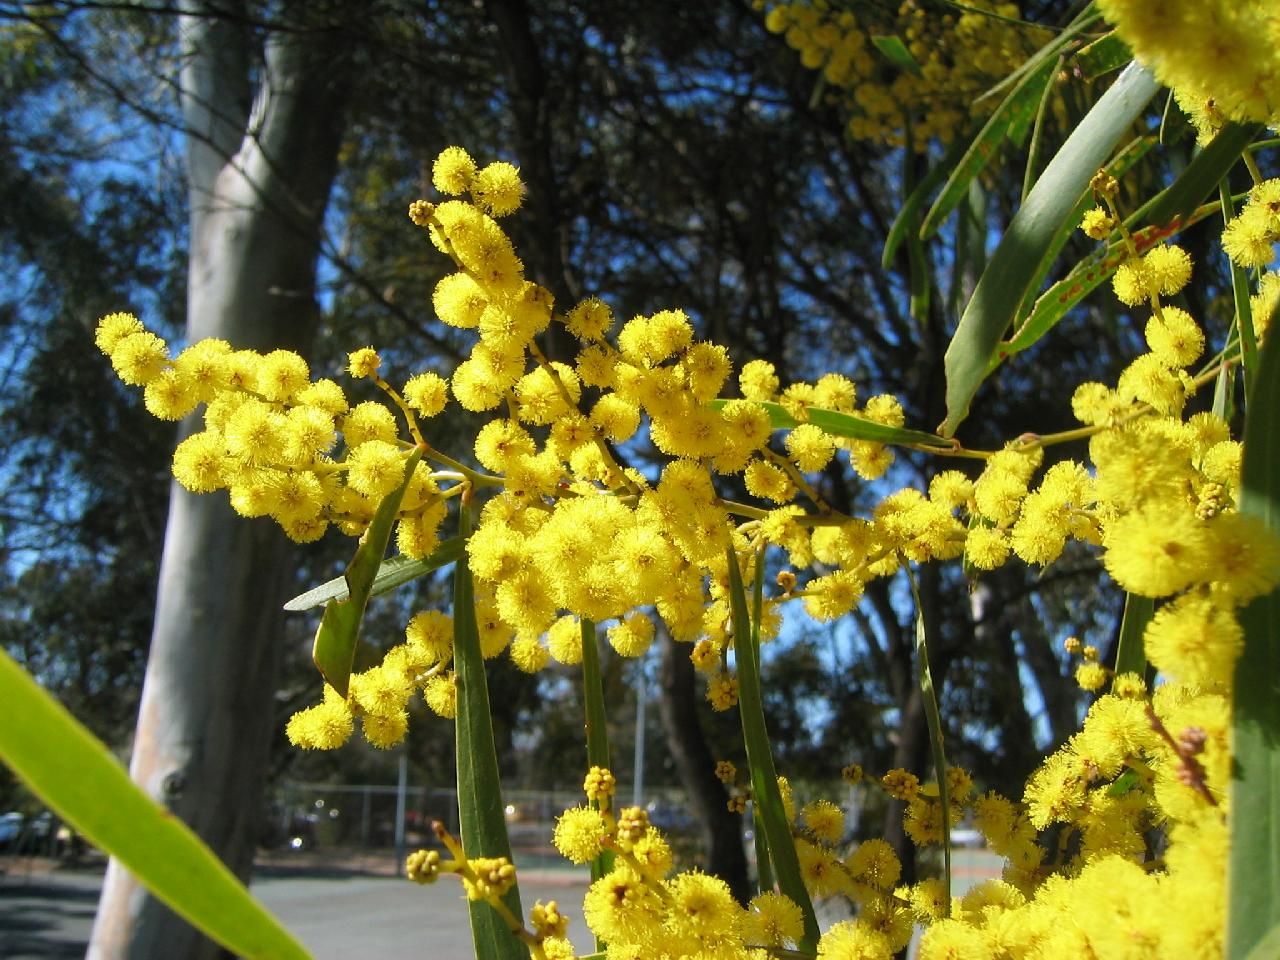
633 636
427 393
1091 676
170 396
1167 269
853 940
1130 283
368 421
498 189
1175 337
1247 239
453 171
459 301
1156 551
590 319
385 730
1097 224
113 328
579 834
198 462
758 380
325 726
811 449
363 363
1195 640
825 819
701 910
139 358
953 940
774 920
375 468
875 863
441 694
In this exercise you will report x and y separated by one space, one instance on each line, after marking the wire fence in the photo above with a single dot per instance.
345 820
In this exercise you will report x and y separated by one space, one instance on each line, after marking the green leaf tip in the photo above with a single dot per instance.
334 648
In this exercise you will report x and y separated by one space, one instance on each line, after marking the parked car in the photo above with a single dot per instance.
10 829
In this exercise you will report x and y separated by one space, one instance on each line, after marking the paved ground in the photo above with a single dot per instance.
336 914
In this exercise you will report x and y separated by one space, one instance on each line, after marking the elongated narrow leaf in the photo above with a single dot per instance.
1268 948
1200 178
392 572
1254 879
1131 656
764 869
1084 278
904 224
1014 113
1102 56
1007 279
75 774
597 724
764 778
848 425
896 52
481 816
933 720
1123 162
335 645
1240 295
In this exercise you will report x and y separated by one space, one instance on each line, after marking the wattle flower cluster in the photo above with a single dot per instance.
573 533
957 55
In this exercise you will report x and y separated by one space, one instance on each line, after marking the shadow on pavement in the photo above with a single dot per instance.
47 915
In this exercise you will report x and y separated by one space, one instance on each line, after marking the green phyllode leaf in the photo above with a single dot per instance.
896 52
1253 884
848 425
764 778
76 775
481 816
1131 657
1007 280
597 724
1009 121
1105 54
335 645
392 573
933 719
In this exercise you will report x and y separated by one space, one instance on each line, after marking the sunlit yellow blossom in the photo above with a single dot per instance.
1097 224
1157 551
1195 639
113 328
1167 269
774 920
453 171
579 834
632 636
758 380
824 819
853 940
498 188
441 694
1175 337
325 726
138 358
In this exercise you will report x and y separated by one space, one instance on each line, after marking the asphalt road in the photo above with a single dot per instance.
335 915
338 914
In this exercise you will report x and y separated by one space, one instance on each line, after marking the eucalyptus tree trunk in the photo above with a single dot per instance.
260 163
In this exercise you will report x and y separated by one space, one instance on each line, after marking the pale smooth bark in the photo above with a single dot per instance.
261 163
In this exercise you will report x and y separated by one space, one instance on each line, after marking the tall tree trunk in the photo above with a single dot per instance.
259 177
721 828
